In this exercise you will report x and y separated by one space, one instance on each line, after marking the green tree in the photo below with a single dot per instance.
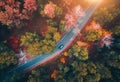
34 76
82 72
107 14
32 42
58 11
61 26
103 16
28 38
34 48
116 30
7 56
79 52
3 47
56 36
51 37
7 59
93 35
51 23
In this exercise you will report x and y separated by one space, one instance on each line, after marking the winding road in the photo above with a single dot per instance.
64 43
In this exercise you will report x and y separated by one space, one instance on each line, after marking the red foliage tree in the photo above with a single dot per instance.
11 12
14 42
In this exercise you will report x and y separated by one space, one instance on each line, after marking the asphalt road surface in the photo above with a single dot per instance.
64 42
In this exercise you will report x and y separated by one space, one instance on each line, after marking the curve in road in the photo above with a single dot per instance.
63 44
